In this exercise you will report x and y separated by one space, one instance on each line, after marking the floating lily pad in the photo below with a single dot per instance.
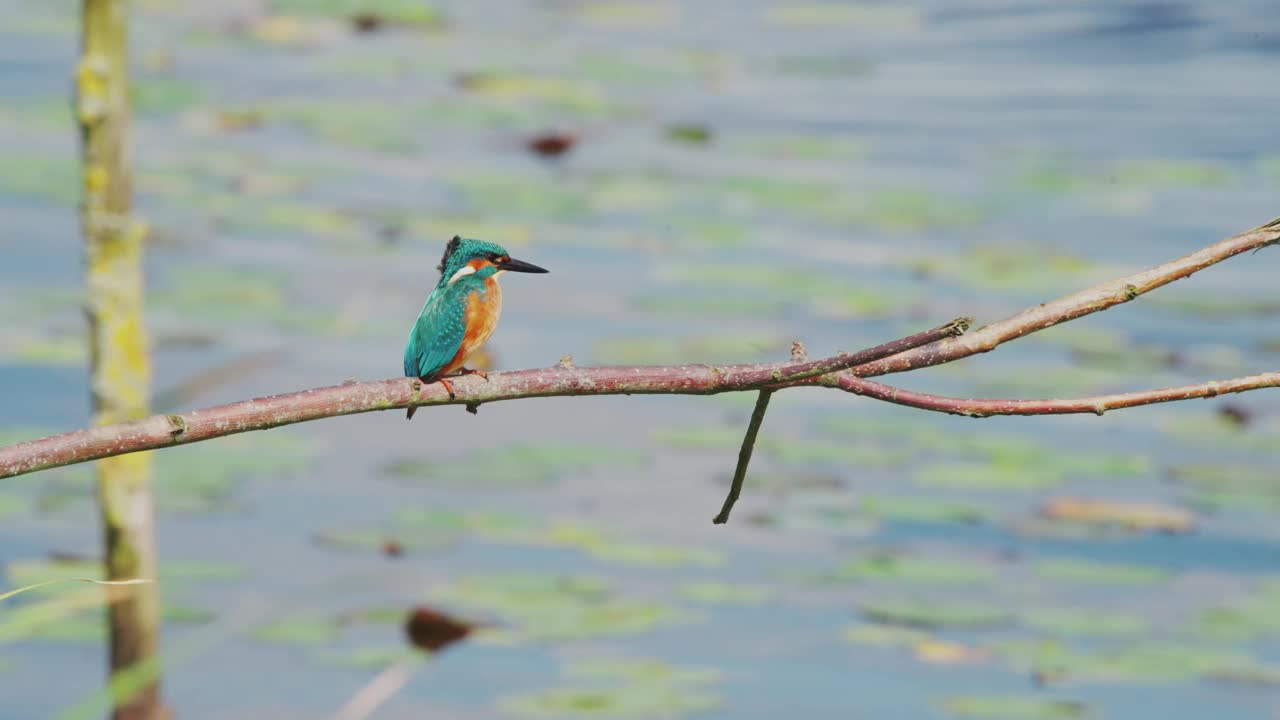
1008 267
11 503
699 437
552 607
354 124
598 544
366 658
555 91
936 615
710 592
518 464
1066 622
1013 463
689 134
48 177
622 689
1216 431
868 17
159 95
704 305
979 475
808 147
794 451
910 210
923 509
239 297
904 568
1015 707
886 636
739 347
388 541
1064 175
642 671
298 631
629 13
1082 571
400 12
1168 173
1256 615
1165 662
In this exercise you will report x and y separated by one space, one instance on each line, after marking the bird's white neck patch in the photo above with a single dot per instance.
464 271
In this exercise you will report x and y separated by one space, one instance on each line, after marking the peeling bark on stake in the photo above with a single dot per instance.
117 343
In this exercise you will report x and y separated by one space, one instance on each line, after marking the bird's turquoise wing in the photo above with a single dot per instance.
437 335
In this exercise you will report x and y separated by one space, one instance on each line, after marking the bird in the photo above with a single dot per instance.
460 313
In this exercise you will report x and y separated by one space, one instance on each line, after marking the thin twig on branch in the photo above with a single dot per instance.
744 456
566 380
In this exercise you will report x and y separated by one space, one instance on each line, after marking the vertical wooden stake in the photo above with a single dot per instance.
117 343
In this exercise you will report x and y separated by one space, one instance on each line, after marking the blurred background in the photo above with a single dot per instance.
706 181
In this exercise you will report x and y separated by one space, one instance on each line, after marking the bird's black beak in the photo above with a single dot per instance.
519 266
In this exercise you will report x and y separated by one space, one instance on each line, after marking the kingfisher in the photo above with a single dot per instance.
461 312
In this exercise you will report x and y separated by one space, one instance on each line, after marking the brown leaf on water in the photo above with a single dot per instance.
431 630
1139 517
552 144
367 22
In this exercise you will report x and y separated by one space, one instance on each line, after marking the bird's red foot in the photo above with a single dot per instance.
449 387
469 371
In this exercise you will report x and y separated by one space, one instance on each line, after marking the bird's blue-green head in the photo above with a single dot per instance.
468 256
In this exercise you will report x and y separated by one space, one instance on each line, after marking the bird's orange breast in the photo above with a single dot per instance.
481 316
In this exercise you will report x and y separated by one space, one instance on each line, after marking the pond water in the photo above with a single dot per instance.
741 175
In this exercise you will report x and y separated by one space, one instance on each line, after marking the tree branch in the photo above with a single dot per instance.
932 347
159 431
1085 302
1098 404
